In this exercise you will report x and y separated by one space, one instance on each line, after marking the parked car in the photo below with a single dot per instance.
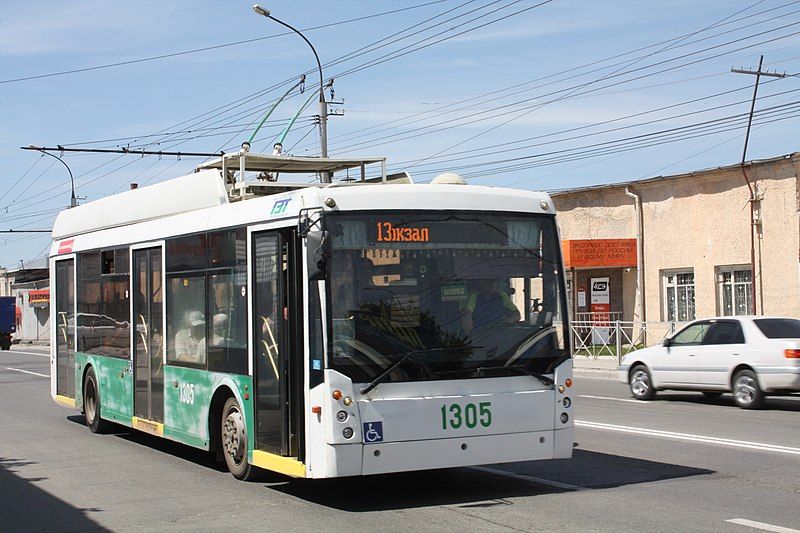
752 357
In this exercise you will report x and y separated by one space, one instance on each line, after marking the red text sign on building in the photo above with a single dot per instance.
599 253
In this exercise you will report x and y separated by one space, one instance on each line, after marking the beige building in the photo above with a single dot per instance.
686 241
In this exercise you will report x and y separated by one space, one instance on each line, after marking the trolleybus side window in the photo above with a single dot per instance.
226 301
103 320
207 301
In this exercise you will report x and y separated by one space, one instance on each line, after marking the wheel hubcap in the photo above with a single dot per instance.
234 439
745 390
639 383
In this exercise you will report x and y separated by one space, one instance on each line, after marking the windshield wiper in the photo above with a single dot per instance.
406 356
541 377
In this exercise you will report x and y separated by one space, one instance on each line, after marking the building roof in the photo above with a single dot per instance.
562 192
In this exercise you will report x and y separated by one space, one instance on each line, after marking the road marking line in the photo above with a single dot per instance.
28 353
762 526
27 372
693 438
534 479
614 399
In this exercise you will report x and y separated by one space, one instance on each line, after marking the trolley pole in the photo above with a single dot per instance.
753 196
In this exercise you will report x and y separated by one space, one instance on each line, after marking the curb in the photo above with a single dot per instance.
595 373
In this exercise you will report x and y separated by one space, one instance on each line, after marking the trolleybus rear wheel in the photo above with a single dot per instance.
234 441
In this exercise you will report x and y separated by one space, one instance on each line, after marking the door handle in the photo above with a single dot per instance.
691 355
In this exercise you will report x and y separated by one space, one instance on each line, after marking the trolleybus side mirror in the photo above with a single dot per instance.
316 254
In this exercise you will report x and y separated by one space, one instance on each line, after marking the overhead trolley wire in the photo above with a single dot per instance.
421 131
491 150
523 84
789 110
576 89
214 47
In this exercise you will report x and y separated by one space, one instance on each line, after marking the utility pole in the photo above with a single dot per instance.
753 196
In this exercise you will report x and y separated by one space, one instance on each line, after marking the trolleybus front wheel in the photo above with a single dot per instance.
91 404
234 441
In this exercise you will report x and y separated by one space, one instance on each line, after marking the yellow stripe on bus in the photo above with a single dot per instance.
277 463
63 400
148 426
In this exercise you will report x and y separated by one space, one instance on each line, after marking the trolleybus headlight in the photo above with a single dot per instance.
564 418
567 402
561 389
347 400
347 433
341 416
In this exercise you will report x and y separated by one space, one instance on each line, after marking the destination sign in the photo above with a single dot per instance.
388 232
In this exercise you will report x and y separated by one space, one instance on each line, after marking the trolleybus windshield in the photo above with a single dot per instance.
469 294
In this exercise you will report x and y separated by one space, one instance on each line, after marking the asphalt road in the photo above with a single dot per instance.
679 463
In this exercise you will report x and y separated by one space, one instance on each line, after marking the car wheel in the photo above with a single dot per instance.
746 392
641 384
91 404
234 441
712 394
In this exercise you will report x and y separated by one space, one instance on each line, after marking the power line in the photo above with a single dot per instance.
567 71
416 132
213 47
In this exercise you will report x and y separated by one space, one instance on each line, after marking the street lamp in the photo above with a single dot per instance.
323 109
73 199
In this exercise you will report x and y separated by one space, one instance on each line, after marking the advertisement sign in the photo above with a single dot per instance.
601 309
599 253
39 298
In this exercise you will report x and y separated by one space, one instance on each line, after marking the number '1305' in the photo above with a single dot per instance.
455 416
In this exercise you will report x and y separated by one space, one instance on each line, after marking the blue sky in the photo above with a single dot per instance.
531 101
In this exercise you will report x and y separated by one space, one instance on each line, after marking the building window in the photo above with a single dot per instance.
735 290
679 296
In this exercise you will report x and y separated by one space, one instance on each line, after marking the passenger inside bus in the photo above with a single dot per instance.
189 340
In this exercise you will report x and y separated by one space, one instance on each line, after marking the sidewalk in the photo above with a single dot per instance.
602 367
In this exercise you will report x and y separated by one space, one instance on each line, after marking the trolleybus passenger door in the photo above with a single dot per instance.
148 335
277 337
65 328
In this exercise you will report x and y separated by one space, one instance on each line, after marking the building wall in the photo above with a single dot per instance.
35 321
700 221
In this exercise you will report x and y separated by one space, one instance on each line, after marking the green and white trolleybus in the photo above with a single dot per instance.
317 330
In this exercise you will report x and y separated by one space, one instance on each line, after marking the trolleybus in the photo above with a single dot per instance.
317 330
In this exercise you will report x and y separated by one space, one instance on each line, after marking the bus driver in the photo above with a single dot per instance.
487 306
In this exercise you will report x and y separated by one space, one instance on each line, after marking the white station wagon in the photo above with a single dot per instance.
749 356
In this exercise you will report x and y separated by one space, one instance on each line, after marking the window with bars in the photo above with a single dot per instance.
735 291
679 296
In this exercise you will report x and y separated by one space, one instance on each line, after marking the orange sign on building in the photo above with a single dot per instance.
40 298
599 253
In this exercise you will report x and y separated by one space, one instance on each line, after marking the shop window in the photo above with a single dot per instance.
678 296
735 290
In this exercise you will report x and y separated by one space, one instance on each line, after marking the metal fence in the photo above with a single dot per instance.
616 338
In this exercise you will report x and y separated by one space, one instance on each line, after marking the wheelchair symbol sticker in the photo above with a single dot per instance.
373 431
